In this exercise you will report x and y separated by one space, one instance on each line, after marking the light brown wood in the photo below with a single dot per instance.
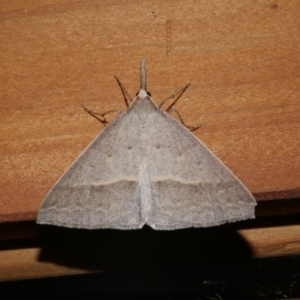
24 264
240 56
273 241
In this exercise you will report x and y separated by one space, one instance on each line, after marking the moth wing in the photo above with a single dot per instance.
190 186
100 189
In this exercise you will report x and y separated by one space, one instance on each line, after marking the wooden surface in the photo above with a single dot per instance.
55 251
241 57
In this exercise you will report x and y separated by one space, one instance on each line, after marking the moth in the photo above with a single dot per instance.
145 167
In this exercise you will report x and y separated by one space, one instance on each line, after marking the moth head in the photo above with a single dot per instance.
143 94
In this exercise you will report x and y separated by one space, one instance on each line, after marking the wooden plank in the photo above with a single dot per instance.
65 251
273 241
24 264
240 56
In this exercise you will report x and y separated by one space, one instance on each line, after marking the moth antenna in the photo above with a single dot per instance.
143 75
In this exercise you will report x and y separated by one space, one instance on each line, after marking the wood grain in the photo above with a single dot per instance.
241 57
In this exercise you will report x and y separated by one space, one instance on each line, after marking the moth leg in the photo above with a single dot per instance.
172 96
171 108
124 92
101 117
191 128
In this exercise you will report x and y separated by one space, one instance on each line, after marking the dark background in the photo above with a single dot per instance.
212 263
